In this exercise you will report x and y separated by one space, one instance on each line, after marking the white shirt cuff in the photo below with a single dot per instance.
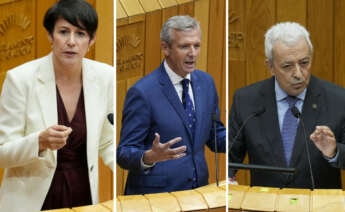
145 166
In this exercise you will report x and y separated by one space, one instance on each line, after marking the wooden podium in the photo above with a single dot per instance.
206 198
244 198
327 200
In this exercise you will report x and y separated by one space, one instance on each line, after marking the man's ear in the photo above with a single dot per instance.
269 65
165 48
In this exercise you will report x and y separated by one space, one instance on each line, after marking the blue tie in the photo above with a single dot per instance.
289 129
188 106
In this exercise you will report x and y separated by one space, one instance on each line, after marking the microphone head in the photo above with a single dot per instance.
260 111
111 118
214 116
295 112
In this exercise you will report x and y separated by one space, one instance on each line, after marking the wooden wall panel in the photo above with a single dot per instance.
339 42
167 3
43 47
17 34
320 26
120 12
153 22
215 67
130 50
237 59
104 53
132 7
201 13
150 5
121 90
292 10
186 9
260 15
104 50
152 40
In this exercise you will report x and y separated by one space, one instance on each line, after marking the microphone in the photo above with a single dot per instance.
214 121
111 118
254 114
298 115
253 166
261 168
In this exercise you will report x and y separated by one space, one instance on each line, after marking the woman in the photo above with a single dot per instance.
53 123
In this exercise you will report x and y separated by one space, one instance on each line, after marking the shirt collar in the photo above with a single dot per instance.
175 78
281 94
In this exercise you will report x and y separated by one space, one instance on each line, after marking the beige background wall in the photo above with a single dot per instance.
23 38
248 22
138 51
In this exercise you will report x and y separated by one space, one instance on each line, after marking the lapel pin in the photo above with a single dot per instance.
314 106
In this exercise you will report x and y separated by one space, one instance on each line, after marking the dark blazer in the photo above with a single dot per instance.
324 104
152 105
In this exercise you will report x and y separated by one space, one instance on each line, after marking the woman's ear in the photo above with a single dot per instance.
92 41
50 38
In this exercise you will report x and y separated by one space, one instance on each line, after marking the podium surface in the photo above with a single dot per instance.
327 200
297 200
190 200
245 198
163 202
207 198
260 198
134 203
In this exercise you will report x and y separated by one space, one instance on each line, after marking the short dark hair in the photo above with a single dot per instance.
77 12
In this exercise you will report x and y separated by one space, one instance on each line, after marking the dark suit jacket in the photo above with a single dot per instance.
152 105
324 104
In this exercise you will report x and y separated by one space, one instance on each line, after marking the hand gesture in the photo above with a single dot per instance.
162 152
54 137
324 140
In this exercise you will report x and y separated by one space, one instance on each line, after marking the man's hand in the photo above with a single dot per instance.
324 140
54 137
162 152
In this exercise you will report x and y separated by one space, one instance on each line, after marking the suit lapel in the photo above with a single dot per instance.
270 124
198 102
311 109
46 92
92 93
170 92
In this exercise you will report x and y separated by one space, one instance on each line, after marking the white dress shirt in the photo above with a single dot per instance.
176 81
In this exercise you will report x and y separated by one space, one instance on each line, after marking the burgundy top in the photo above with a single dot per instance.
70 186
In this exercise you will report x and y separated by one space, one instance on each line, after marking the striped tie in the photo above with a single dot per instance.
289 129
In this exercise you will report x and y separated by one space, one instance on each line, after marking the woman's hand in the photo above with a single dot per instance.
54 137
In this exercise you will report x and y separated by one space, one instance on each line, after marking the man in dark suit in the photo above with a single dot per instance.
167 118
273 135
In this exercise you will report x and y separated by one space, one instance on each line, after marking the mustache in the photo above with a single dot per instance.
296 81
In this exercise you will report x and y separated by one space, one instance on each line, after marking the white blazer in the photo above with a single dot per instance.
27 107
